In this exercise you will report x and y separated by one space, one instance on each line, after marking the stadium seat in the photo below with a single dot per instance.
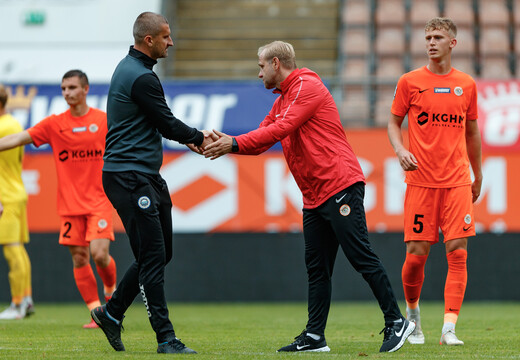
390 12
423 10
494 40
356 12
385 97
517 39
516 11
389 68
460 11
355 107
418 41
465 63
419 60
465 41
493 12
355 68
495 68
355 41
390 40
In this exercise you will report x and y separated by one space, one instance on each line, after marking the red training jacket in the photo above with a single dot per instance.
306 121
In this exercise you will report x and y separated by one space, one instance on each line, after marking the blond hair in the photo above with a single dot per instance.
281 50
440 23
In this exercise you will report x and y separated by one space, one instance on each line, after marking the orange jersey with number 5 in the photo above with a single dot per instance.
438 107
78 144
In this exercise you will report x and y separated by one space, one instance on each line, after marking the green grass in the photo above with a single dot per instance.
256 331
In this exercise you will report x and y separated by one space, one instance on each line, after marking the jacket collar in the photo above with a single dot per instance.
145 59
286 84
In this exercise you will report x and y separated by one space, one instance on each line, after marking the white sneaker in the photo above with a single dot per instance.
13 312
417 336
28 304
449 338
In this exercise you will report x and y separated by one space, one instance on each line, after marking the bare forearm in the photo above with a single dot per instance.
14 140
474 146
395 136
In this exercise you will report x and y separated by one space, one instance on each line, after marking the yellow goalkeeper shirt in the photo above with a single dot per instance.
11 185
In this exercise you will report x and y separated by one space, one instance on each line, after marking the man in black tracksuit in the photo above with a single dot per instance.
138 119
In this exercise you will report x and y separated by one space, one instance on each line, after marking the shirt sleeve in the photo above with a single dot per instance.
41 132
472 113
148 93
303 101
401 103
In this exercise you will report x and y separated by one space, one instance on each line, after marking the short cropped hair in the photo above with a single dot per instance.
148 23
440 23
3 96
83 79
282 50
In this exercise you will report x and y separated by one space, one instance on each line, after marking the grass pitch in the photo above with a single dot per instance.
256 331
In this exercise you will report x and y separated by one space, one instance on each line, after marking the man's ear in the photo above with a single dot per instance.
276 63
453 42
148 40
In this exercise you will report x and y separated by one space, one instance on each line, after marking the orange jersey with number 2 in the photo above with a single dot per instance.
78 144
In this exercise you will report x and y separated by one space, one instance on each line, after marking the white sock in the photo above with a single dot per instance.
447 327
413 312
314 336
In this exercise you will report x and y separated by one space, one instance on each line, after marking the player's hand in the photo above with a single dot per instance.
209 137
476 186
220 147
407 160
1 209
194 148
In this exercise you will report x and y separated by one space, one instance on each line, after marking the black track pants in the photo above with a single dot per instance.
341 221
144 206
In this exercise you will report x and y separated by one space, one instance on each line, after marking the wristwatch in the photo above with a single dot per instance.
234 146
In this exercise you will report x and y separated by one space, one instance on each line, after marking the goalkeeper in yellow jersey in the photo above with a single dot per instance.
13 220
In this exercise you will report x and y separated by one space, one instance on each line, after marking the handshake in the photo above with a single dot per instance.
215 144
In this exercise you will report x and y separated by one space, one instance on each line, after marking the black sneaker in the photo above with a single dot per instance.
109 326
174 346
396 335
303 342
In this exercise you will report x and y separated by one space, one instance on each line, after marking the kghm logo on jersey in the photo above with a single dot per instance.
80 154
422 118
442 120
63 155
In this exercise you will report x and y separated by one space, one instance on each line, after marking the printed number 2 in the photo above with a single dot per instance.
66 233
419 228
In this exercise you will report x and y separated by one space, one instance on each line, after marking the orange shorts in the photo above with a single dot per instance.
428 209
79 230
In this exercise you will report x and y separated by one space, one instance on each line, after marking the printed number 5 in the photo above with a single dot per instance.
419 228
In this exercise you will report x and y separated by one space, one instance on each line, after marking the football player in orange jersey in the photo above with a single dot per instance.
441 104
77 138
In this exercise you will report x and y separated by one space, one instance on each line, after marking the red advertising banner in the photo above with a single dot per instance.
499 115
257 193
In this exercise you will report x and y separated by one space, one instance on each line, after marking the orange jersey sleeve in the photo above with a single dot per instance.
438 107
78 144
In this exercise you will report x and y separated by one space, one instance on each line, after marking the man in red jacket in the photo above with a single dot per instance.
306 121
